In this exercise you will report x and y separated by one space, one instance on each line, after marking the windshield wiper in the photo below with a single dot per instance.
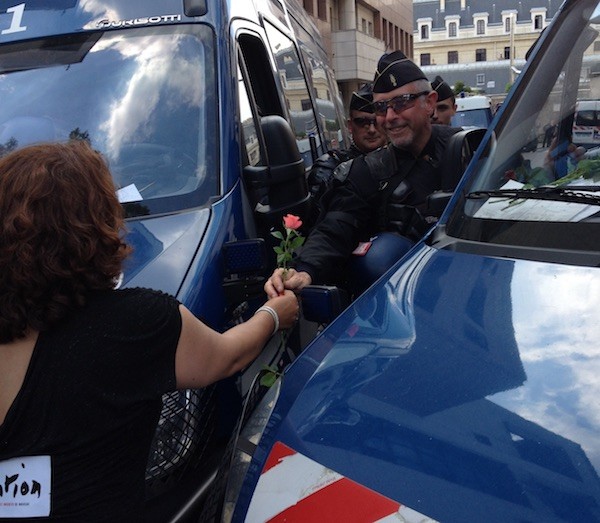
560 194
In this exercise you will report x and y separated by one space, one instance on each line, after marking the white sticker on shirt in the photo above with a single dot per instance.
25 487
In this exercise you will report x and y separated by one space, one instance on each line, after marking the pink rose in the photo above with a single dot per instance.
292 222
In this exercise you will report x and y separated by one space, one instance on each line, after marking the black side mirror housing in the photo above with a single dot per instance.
322 303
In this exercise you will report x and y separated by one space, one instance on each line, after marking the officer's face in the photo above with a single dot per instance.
365 130
404 114
444 111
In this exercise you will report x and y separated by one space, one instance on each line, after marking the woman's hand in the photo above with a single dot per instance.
287 308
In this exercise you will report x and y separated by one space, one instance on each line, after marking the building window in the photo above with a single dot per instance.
480 55
370 28
425 59
507 24
538 22
308 6
480 79
452 57
596 47
452 29
507 53
363 25
480 27
322 10
424 32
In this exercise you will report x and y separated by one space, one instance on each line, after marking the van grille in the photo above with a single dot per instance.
182 438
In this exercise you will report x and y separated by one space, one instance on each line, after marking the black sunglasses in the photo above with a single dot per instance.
398 103
362 121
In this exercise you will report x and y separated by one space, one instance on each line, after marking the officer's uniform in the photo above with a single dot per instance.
385 190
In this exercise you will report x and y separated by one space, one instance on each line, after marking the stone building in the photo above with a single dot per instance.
356 34
481 43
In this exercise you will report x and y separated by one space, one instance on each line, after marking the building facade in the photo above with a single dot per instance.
481 43
356 34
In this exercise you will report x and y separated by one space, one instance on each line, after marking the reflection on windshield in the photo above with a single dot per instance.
539 139
138 96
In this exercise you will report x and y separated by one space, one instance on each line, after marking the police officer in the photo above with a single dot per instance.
384 191
445 107
366 135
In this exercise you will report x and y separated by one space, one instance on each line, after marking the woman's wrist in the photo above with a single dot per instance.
271 311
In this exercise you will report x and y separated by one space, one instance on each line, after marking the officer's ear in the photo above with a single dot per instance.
349 123
431 101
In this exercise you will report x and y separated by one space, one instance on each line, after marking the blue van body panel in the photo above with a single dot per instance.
437 389
162 249
66 16
51 53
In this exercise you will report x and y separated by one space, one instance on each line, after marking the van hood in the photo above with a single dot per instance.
163 249
460 387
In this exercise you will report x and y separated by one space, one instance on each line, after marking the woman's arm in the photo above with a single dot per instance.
204 355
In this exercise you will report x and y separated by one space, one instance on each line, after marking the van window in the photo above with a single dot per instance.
472 118
325 87
295 91
509 162
141 97
587 117
248 125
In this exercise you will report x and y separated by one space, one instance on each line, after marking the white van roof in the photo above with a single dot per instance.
473 102
588 104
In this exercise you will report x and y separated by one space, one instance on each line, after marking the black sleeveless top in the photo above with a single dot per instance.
90 401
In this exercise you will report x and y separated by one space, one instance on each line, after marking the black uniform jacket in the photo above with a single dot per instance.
374 193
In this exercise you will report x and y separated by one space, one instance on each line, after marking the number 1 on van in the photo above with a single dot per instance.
17 17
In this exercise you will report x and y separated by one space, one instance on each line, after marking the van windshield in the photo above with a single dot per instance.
472 118
543 195
139 96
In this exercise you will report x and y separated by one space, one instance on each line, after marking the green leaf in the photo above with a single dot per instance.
297 242
277 235
268 379
278 250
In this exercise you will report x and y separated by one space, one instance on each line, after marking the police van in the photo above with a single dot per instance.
586 127
473 111
209 114
462 386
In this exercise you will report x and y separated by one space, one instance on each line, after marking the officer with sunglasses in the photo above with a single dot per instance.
366 135
378 207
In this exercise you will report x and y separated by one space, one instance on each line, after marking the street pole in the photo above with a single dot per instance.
512 48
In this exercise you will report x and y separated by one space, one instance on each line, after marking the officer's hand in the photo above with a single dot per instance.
286 279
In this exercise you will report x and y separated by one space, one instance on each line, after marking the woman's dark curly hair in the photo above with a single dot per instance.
60 234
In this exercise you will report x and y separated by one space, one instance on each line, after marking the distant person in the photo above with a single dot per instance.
549 133
445 108
83 366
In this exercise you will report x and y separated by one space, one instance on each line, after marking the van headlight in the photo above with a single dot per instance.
245 445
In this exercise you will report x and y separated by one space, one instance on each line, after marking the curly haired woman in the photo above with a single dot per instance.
83 366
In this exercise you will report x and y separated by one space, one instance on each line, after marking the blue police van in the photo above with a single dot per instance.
463 385
209 114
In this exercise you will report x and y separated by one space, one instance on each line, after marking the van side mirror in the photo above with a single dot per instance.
280 187
458 153
322 303
437 202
